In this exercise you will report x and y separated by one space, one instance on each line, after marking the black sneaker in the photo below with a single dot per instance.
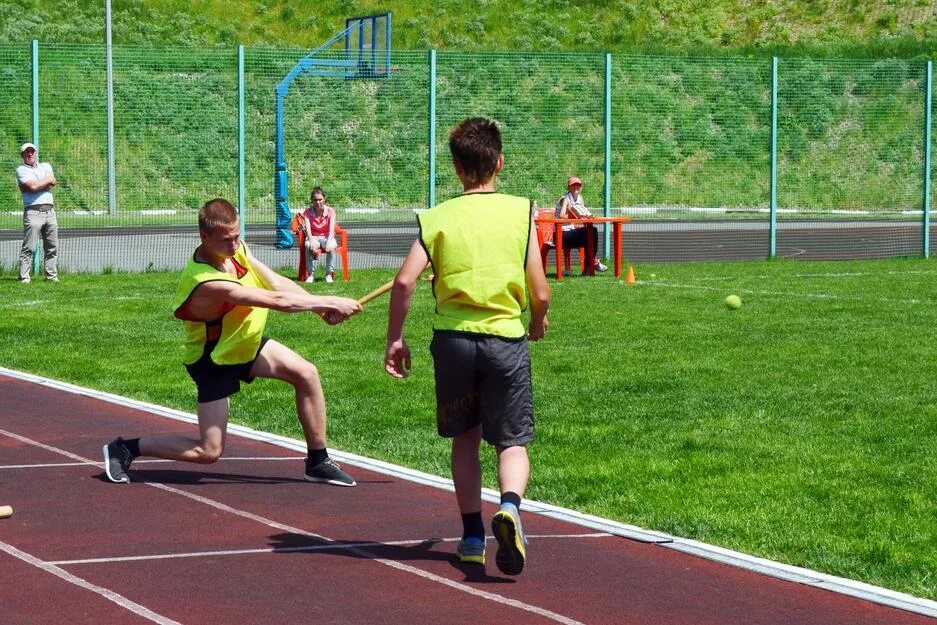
328 472
117 461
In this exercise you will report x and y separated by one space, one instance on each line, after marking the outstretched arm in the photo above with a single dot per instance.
281 294
397 354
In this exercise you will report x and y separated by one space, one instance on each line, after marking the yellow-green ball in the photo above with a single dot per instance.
733 302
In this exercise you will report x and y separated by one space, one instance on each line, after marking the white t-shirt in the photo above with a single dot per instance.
24 173
578 205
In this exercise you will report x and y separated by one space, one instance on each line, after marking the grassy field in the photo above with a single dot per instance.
800 427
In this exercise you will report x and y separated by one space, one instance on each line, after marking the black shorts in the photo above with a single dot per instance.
483 380
215 381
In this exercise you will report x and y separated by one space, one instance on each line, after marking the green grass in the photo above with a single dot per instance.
800 427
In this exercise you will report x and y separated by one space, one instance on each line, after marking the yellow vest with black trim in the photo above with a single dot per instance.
238 330
477 244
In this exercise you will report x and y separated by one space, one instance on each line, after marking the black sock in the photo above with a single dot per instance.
511 497
317 456
472 526
133 446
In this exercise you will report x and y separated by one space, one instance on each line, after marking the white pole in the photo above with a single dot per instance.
111 173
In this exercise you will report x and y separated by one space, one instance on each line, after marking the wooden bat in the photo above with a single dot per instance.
384 288
6 511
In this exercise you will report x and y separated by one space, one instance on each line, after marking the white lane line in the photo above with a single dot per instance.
307 548
140 461
106 593
361 552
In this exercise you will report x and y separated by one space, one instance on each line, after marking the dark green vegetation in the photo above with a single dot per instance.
841 28
800 427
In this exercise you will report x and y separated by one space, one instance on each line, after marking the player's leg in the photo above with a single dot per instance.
279 362
457 418
213 425
467 479
508 424
208 448
513 469
467 470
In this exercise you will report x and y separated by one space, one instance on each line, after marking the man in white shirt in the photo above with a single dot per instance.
35 181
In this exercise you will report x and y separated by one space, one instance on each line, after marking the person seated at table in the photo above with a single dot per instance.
572 206
319 225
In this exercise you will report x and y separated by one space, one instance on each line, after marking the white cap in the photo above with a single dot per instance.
26 146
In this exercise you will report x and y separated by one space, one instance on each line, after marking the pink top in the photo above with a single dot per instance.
319 226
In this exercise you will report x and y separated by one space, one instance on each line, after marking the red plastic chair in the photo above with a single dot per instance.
545 234
341 237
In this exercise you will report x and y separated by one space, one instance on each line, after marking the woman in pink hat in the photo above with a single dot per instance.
572 205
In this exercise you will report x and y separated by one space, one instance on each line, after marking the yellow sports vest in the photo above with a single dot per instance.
477 244
238 330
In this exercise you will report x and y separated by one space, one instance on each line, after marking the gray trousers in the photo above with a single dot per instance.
317 244
39 221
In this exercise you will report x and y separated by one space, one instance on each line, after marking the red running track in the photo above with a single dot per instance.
246 541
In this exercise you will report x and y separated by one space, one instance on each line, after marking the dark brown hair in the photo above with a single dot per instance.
217 213
476 145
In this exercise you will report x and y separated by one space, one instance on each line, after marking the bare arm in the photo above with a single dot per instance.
565 206
331 222
397 355
285 295
273 280
569 210
538 288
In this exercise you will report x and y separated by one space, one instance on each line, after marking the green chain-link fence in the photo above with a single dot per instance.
684 146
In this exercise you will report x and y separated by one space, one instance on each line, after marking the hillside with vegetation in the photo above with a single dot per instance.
844 28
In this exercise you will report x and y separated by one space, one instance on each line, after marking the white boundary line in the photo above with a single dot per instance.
770 568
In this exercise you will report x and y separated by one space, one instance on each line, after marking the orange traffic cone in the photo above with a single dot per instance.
629 278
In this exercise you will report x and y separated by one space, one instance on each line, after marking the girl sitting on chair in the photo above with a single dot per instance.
319 226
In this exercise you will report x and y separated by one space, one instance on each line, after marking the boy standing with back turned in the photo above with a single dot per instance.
484 255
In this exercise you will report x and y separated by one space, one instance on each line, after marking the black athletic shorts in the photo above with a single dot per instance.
215 381
483 379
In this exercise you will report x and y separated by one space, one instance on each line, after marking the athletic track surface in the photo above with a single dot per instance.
246 541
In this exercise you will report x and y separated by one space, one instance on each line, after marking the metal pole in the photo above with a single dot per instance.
432 129
608 150
773 208
35 138
241 210
35 94
928 106
111 171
